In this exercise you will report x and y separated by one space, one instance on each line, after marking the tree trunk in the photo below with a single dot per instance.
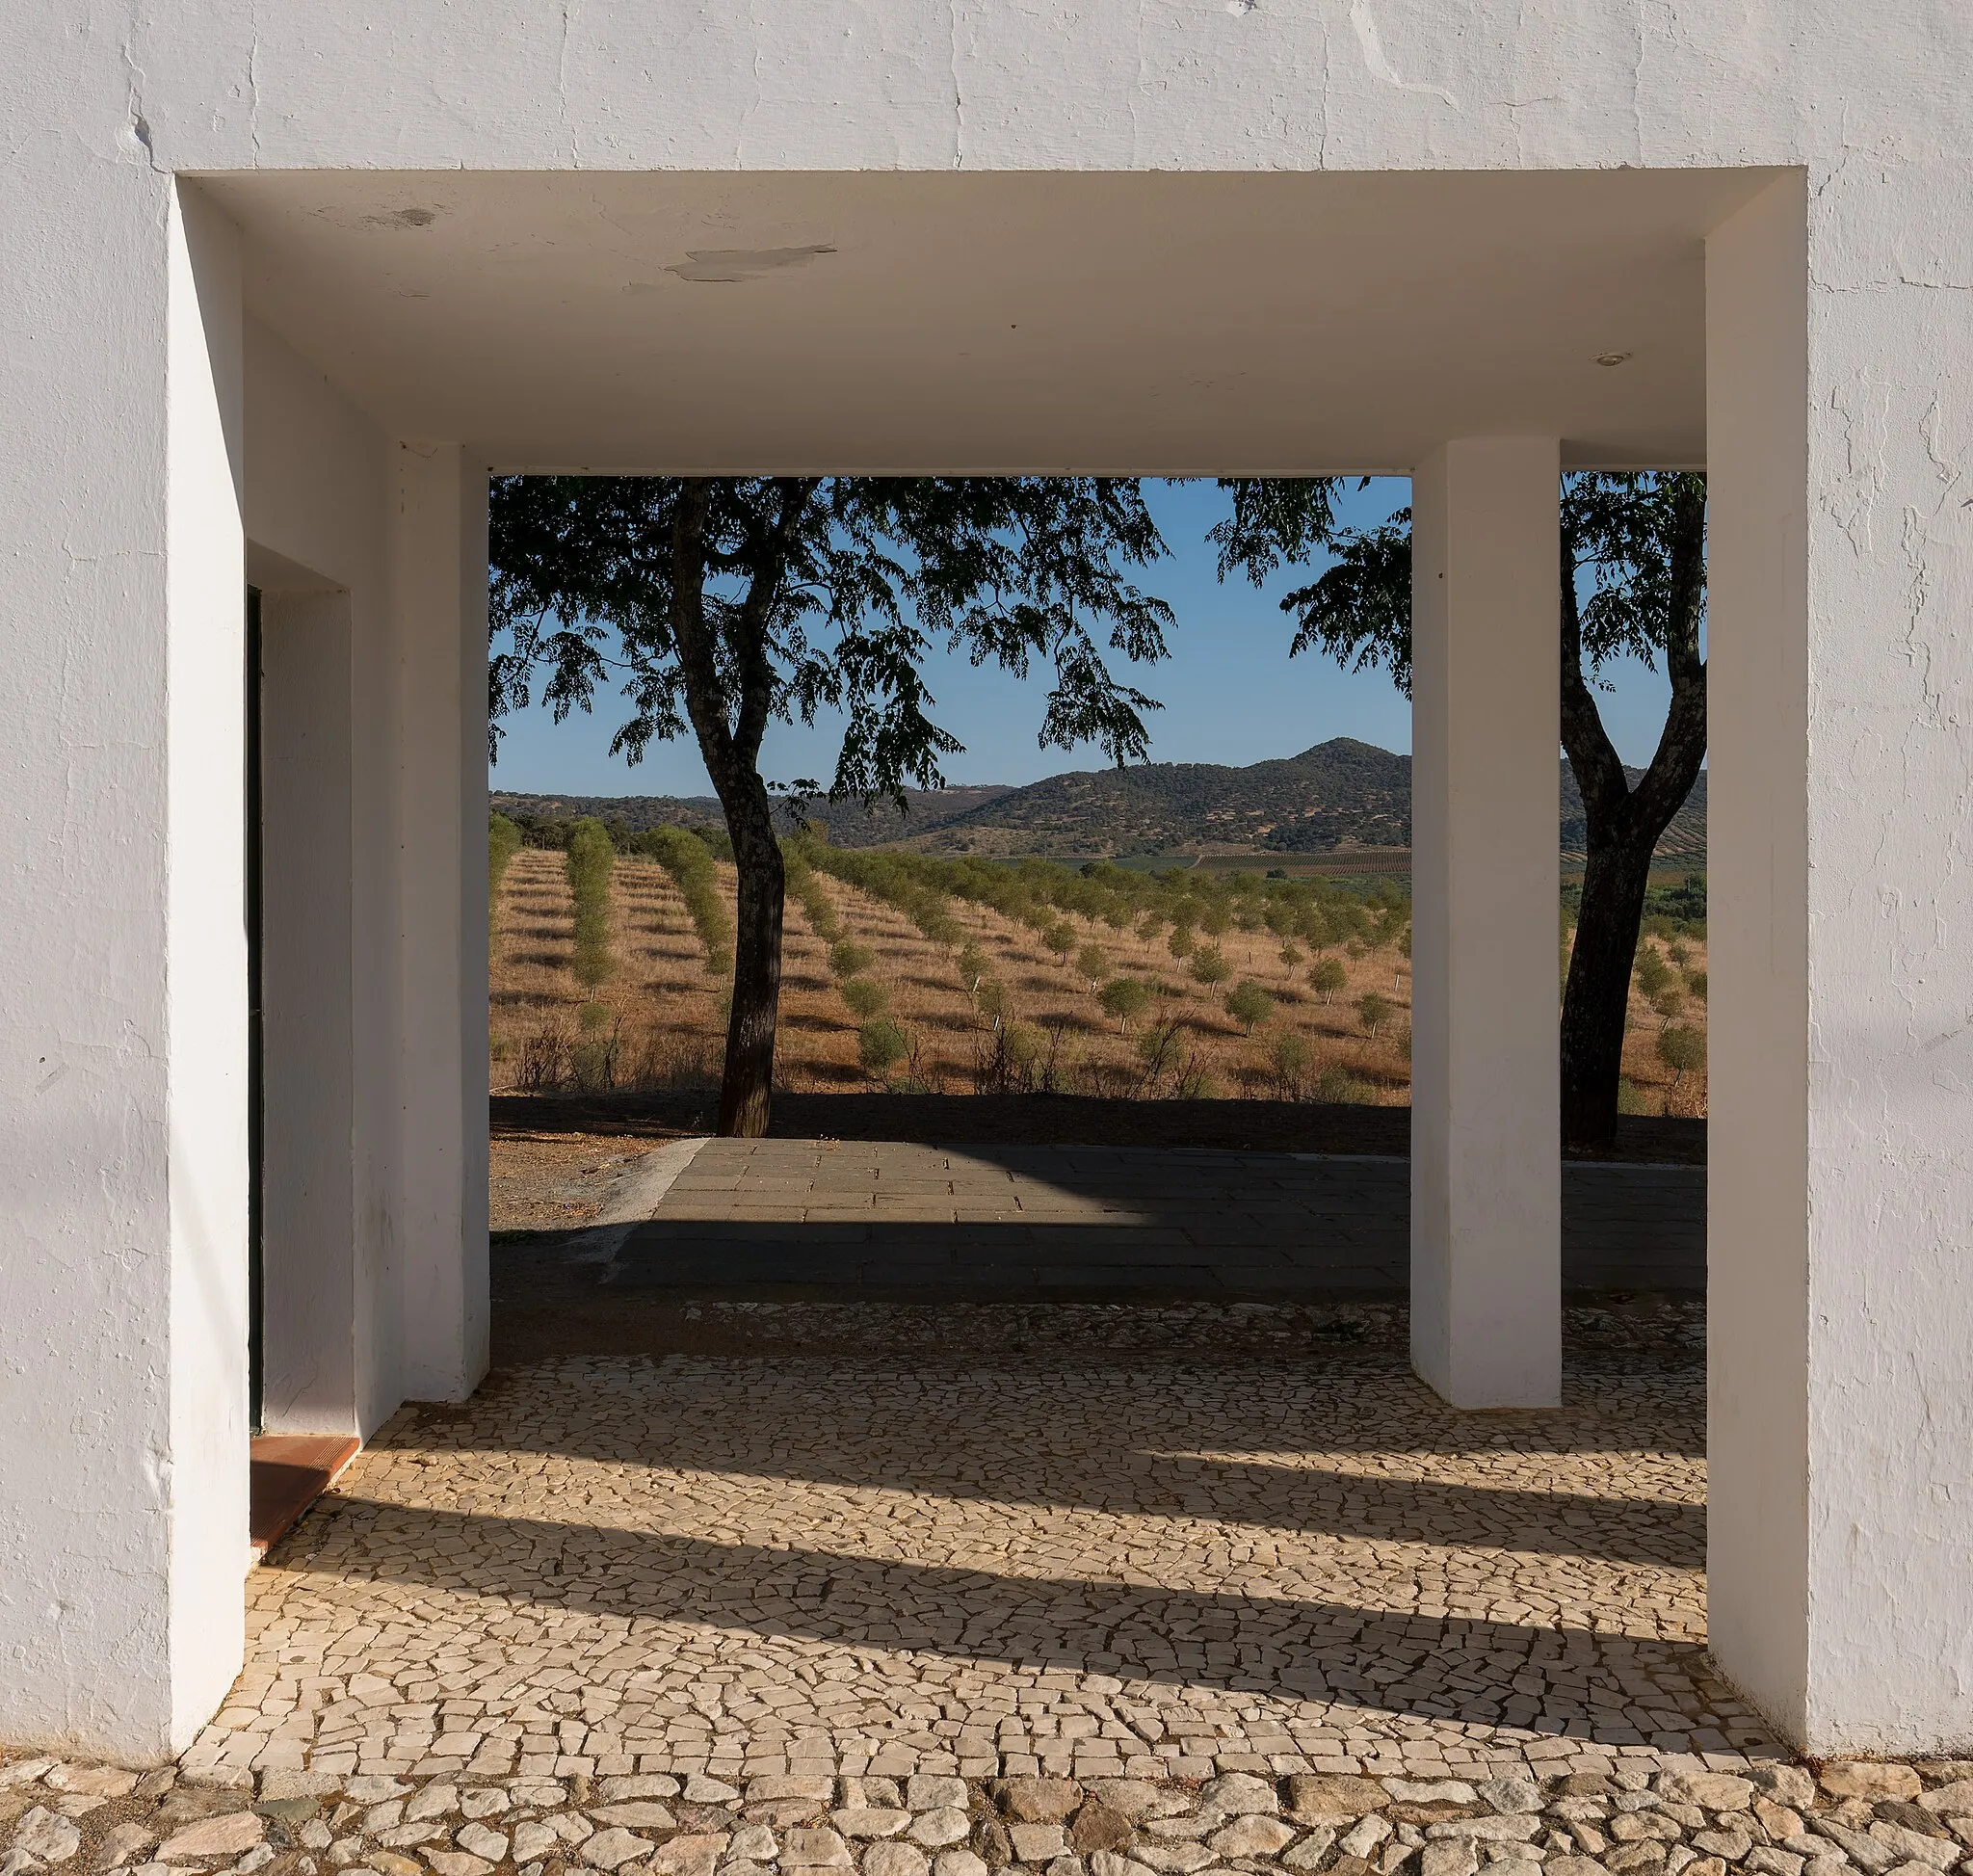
731 751
1624 823
748 1087
1597 997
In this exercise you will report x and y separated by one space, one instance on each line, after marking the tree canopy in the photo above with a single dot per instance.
824 592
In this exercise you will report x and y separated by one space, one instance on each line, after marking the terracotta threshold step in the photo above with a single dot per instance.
290 1471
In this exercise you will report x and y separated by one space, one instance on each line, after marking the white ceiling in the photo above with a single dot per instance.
1134 324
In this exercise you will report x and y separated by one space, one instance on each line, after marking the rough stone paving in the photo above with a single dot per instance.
1639 1816
600 1566
937 1613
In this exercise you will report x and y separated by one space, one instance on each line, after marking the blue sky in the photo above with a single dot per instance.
1231 693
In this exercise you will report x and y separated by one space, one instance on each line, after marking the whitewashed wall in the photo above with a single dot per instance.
122 1505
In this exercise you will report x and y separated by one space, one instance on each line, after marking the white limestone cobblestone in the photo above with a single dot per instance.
1642 1815
720 1568
718 1616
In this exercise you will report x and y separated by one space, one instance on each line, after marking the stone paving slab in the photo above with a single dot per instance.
794 1218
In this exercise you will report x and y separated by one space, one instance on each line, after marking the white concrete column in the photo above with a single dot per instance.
1840 1445
439 574
123 1004
1485 1119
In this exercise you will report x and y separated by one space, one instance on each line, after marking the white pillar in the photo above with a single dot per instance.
123 1152
1485 1124
439 574
1840 1445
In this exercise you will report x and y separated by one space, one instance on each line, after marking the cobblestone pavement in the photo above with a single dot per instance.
812 1218
601 1566
910 1611
1634 1815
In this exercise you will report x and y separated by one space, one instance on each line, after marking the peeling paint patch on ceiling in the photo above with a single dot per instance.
724 265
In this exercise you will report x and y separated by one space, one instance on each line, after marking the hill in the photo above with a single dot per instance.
1340 796
850 823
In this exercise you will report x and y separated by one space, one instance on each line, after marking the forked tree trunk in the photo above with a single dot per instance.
1596 999
731 751
747 1090
1624 824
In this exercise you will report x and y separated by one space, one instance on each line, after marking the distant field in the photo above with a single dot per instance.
658 1022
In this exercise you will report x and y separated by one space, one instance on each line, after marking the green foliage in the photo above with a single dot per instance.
881 1046
1373 1012
1291 955
1290 1059
503 842
1630 1097
1668 1001
865 999
1683 907
1327 978
1060 939
591 860
1181 944
1209 966
823 592
1696 984
1652 970
1250 1004
1619 530
971 964
1090 962
1338 1087
807 892
849 959
1682 1049
993 1001
888 877
690 862
1125 999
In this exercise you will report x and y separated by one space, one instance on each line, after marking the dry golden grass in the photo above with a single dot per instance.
1653 1081
664 1021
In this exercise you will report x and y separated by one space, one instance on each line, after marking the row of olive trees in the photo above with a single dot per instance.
726 603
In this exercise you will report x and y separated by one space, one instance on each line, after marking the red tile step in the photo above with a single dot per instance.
290 1472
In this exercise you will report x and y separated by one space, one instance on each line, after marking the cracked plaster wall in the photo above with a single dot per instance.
100 105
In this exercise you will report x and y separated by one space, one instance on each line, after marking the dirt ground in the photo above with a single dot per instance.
668 1009
662 1013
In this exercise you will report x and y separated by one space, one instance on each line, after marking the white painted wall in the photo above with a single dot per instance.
318 499
205 939
1757 942
122 1348
1841 1525
312 1316
1486 1115
118 523
439 592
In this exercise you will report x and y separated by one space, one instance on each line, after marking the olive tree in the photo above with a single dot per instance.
1632 583
726 604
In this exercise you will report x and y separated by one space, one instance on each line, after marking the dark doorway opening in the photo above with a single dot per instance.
256 1045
